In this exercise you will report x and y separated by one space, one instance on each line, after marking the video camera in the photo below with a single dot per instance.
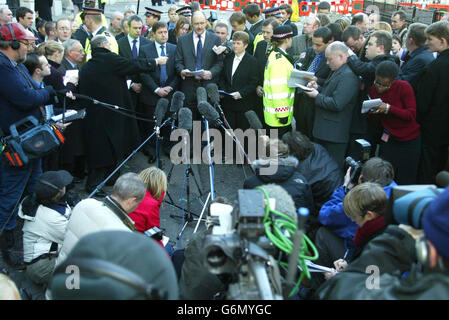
363 149
407 204
239 248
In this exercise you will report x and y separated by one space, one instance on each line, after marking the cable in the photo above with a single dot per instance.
274 229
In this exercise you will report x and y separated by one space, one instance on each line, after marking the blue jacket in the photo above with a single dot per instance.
17 97
334 217
414 64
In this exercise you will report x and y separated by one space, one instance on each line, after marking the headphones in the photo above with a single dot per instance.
15 44
102 268
423 254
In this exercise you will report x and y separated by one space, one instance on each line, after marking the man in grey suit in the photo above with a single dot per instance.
194 52
130 47
334 103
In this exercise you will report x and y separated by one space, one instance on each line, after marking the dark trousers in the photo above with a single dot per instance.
12 182
97 176
280 131
433 160
336 150
404 157
330 248
304 113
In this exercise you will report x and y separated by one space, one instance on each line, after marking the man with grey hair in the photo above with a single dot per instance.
5 16
334 102
63 29
91 215
114 26
73 55
111 136
302 42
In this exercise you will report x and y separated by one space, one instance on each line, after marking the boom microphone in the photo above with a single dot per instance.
201 95
177 102
210 114
442 179
253 119
185 119
212 93
159 113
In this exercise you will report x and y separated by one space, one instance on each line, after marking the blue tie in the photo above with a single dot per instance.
315 63
135 54
199 48
163 76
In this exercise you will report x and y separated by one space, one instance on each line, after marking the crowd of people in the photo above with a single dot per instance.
120 70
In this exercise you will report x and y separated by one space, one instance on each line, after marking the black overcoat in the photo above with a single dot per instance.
110 136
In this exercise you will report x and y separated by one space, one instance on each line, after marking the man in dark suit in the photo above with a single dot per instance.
261 54
253 16
334 103
160 83
432 105
130 47
239 78
287 11
237 21
110 136
194 52
314 61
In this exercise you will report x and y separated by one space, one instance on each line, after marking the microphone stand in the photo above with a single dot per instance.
101 185
209 158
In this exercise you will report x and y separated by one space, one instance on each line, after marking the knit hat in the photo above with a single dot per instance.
52 182
436 223
109 252
282 32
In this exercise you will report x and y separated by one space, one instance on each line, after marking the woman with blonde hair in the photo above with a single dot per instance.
54 52
382 25
147 215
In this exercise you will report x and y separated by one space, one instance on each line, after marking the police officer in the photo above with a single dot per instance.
88 4
278 98
92 21
151 16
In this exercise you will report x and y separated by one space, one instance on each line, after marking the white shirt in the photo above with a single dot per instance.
235 64
195 40
159 51
96 31
131 43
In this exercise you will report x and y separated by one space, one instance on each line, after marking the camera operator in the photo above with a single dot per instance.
336 238
18 99
46 216
287 176
394 253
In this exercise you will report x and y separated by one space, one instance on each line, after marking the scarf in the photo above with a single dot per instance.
368 230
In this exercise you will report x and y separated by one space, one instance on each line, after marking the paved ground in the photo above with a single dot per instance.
228 179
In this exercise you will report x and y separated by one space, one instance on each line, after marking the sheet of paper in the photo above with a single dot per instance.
369 104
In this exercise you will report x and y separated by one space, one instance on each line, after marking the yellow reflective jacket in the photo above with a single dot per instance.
278 98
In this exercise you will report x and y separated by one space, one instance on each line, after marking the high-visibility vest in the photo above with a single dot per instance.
278 98
78 20
257 39
111 39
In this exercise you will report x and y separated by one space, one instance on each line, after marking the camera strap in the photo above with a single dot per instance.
117 209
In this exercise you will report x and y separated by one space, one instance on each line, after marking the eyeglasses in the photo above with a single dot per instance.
28 43
380 85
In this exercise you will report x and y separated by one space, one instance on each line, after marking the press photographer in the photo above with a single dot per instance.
408 267
336 237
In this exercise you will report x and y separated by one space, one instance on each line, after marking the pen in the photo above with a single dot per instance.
346 254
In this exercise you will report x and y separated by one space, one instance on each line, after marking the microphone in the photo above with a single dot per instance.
177 102
253 119
159 113
283 200
212 93
442 179
210 114
201 95
185 119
